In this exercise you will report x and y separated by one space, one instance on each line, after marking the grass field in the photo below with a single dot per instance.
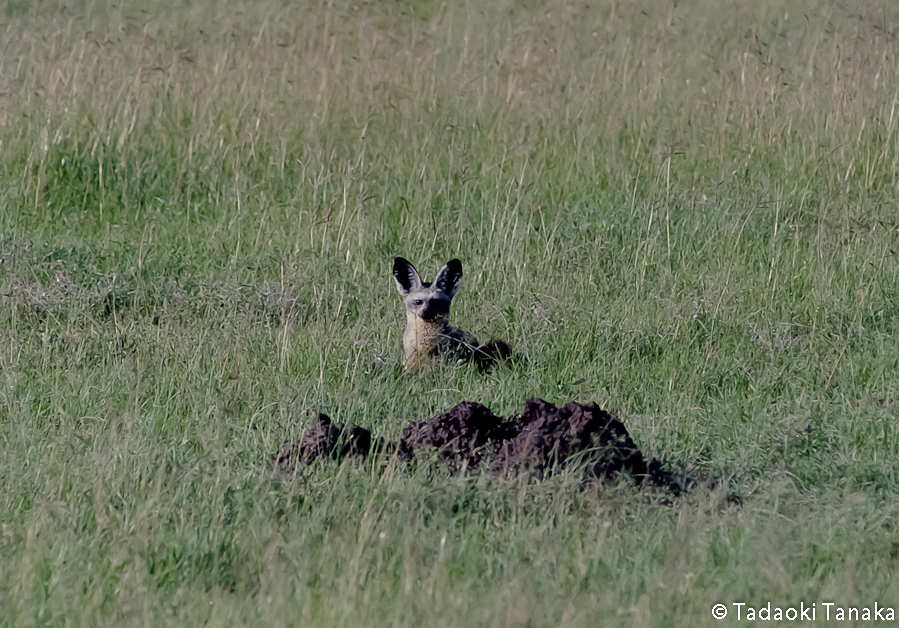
686 212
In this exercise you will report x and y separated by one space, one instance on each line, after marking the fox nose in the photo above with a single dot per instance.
434 309
428 312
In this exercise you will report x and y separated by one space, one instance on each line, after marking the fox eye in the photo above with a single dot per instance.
417 302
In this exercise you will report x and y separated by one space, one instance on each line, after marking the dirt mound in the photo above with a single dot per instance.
470 438
324 440
458 439
575 433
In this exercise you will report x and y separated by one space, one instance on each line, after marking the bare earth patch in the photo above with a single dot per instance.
471 439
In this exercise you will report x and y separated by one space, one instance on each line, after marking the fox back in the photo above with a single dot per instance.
428 333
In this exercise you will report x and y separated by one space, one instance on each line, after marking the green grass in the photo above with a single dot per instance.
684 213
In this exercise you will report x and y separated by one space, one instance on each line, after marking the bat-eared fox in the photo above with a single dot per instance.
428 333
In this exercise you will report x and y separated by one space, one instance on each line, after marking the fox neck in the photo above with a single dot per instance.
421 339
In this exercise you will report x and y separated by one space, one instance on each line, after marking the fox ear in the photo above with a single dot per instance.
448 278
407 278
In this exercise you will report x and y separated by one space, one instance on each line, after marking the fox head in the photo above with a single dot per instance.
428 301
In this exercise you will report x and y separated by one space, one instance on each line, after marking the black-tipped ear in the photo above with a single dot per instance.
407 278
449 277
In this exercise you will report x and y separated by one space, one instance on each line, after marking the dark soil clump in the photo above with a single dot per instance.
324 440
459 439
576 433
471 439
